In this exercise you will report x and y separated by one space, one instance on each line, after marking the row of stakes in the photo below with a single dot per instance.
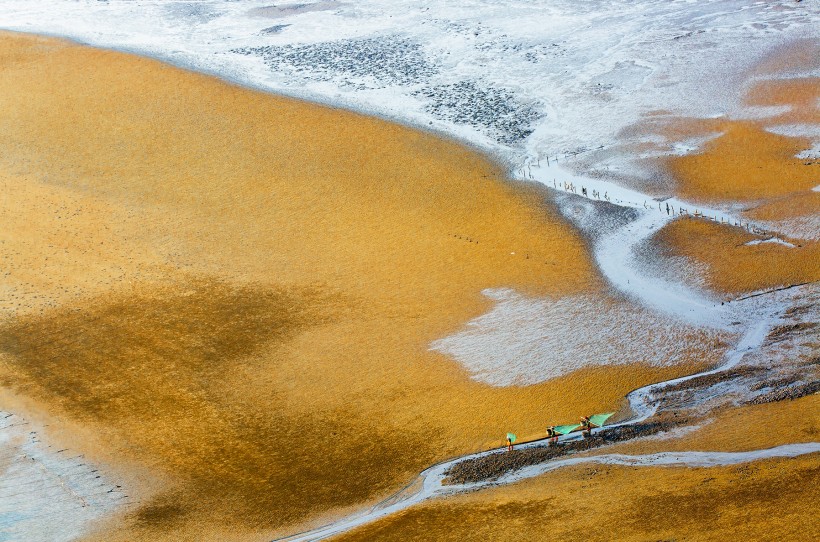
670 209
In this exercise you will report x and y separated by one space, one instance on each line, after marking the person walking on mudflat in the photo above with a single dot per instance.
510 439
586 426
552 435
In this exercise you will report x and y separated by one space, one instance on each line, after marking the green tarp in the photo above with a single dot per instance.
511 437
564 429
599 419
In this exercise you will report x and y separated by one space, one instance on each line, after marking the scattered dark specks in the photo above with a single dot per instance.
492 110
275 29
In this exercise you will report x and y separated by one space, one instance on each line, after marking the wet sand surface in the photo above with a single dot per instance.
761 167
747 166
603 502
729 264
766 165
740 429
745 163
229 297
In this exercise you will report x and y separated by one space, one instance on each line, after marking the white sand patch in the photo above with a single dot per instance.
289 10
775 240
796 130
47 493
801 227
677 432
812 153
524 340
760 112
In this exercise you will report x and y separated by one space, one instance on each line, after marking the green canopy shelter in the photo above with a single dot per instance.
599 419
566 429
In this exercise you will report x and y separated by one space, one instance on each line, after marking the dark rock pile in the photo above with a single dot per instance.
781 333
792 392
362 62
777 383
489 109
714 378
492 466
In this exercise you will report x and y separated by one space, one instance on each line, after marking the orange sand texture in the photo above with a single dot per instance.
747 164
228 297
766 500
731 266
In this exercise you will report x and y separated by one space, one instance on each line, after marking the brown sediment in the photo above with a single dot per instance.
237 292
793 57
786 331
714 378
730 266
603 502
789 393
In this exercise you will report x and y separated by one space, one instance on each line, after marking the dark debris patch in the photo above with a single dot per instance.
798 310
360 62
275 29
493 466
714 378
793 392
781 333
774 384
490 109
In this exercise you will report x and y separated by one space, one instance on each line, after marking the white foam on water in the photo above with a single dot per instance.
580 73
774 240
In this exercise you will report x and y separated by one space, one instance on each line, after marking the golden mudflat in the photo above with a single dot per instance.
232 295
730 265
749 160
599 502
745 163
740 429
